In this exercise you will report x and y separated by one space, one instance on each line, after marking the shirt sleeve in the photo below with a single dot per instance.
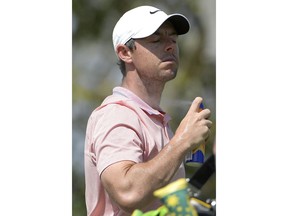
118 136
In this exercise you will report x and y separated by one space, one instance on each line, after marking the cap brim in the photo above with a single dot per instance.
180 23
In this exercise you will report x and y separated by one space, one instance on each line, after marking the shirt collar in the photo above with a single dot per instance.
121 91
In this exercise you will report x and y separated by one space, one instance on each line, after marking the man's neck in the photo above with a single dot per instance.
150 92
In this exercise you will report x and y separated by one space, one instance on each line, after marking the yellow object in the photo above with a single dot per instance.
206 205
175 197
180 184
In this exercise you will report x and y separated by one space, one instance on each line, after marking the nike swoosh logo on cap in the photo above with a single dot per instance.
153 12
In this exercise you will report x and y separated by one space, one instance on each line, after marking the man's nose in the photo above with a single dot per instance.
170 45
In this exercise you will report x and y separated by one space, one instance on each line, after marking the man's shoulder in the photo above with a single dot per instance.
118 111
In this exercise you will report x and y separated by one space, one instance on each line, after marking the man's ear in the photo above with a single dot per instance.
124 53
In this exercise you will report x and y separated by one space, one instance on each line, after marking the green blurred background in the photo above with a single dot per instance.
95 72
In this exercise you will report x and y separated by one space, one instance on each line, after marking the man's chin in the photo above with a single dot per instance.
170 75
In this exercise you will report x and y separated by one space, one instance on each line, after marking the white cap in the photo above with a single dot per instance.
143 21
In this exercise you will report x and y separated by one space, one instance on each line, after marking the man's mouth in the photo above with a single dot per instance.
169 59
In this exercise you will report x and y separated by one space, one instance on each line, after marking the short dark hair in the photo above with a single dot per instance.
131 45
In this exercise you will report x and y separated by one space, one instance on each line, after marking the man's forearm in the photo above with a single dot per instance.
135 186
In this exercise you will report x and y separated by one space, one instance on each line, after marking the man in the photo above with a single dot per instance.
130 150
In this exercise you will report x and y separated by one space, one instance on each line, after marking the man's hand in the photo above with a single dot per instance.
194 129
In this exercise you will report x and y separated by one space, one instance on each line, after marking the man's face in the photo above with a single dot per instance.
156 56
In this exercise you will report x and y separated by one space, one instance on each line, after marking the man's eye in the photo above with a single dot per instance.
174 39
155 39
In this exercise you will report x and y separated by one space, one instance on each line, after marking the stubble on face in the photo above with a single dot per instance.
156 57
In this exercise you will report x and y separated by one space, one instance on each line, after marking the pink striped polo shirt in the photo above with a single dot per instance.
124 127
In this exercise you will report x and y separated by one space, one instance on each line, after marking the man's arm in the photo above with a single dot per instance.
131 185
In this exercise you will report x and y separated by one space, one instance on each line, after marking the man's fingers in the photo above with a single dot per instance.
208 123
195 105
206 113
